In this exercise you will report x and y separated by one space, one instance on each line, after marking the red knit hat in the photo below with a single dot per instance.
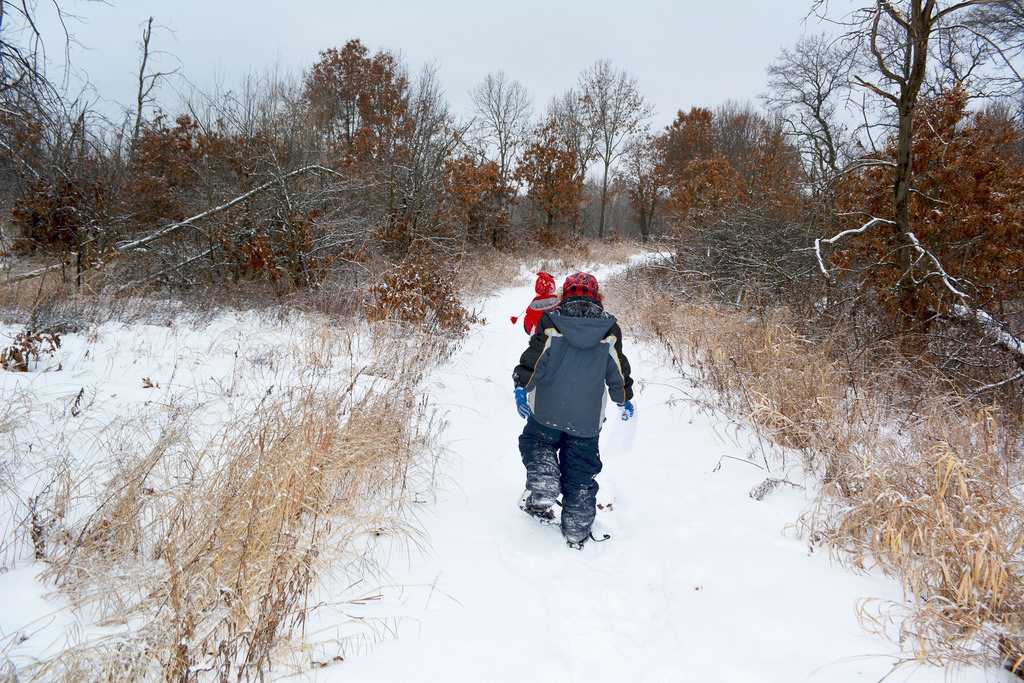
545 285
580 284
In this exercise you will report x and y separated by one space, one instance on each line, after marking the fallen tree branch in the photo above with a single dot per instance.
188 222
990 327
947 279
34 273
996 385
963 311
174 227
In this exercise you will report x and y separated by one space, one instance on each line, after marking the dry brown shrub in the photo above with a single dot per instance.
423 290
936 506
28 347
915 480
30 294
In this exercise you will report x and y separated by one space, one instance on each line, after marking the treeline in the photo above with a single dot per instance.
288 181
880 182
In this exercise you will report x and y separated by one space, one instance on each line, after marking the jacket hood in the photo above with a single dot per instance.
583 333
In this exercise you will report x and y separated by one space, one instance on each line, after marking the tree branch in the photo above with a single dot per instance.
34 273
947 279
175 267
996 385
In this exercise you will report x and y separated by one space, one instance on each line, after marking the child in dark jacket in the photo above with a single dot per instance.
560 382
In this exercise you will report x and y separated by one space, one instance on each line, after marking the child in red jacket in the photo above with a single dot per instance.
545 300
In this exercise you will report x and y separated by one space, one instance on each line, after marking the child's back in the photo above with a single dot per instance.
572 363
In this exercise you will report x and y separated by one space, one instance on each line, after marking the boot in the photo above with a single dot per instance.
543 514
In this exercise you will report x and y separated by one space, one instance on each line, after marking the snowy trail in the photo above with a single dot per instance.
698 583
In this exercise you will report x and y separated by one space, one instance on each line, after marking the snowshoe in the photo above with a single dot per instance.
544 515
578 545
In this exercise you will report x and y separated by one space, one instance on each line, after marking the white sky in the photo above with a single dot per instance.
684 53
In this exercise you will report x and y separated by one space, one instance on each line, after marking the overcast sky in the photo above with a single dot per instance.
684 52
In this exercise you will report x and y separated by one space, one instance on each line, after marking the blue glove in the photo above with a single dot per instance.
627 410
521 403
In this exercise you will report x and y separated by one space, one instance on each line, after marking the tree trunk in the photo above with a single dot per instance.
140 99
495 234
901 178
918 34
604 201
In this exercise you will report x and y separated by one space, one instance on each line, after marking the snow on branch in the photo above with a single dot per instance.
845 233
946 278
997 385
992 329
865 163
964 310
34 273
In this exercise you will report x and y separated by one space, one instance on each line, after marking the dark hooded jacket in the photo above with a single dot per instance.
575 354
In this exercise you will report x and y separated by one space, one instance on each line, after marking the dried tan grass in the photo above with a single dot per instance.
30 513
202 557
8 418
577 254
482 273
915 480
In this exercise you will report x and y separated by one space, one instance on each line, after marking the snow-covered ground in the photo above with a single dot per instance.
700 582
105 398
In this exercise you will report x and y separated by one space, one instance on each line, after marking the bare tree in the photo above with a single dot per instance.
959 55
25 91
566 117
417 174
146 81
614 110
897 41
807 86
1001 24
502 107
20 61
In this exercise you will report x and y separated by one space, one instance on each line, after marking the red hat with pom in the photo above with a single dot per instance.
580 284
545 285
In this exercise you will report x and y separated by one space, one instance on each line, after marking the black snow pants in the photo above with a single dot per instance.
557 462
